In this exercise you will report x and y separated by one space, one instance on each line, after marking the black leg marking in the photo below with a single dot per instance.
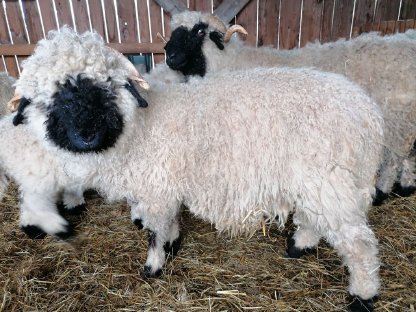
379 197
33 231
138 223
77 210
405 191
172 249
152 239
67 234
147 272
293 252
360 305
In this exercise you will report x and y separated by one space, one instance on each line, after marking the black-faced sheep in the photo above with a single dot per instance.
233 148
384 66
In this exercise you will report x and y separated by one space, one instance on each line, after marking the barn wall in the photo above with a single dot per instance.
283 24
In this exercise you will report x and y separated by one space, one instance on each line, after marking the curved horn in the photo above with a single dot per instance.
134 74
233 29
215 22
14 102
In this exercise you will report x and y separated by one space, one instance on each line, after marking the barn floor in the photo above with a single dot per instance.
99 271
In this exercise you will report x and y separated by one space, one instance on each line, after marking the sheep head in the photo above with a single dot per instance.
76 92
184 50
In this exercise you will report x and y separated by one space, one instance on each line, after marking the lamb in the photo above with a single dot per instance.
230 159
391 83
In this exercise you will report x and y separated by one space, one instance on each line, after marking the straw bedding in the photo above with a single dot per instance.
99 271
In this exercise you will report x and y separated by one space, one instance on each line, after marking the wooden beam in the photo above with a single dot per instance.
230 8
172 6
125 48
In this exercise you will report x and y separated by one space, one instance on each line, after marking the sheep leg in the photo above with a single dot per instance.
73 201
4 183
357 245
39 216
302 242
163 234
407 185
388 175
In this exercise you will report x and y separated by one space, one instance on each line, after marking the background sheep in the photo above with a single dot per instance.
196 144
384 66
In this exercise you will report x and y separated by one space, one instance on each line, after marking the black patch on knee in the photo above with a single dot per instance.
379 197
67 234
360 305
293 252
147 272
405 191
77 210
33 231
172 249
138 223
152 239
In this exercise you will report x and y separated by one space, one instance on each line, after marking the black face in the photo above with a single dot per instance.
84 117
184 49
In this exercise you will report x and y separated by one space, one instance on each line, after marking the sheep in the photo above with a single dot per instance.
384 66
232 148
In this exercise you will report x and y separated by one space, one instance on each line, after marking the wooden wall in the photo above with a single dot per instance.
283 24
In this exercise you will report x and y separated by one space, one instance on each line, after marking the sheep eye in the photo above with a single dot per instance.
201 33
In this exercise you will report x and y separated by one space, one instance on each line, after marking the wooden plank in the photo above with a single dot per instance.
200 5
48 15
16 24
110 16
127 21
64 13
268 23
311 21
32 16
248 19
2 67
143 21
10 61
290 11
391 25
387 10
326 31
408 10
172 6
97 19
364 13
216 4
81 15
410 24
156 24
341 26
125 48
230 8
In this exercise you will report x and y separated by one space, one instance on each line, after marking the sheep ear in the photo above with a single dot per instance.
141 102
217 38
19 117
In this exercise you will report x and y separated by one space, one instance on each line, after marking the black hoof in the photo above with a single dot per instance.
360 305
379 197
172 249
67 234
403 191
294 252
33 231
147 272
138 223
77 210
